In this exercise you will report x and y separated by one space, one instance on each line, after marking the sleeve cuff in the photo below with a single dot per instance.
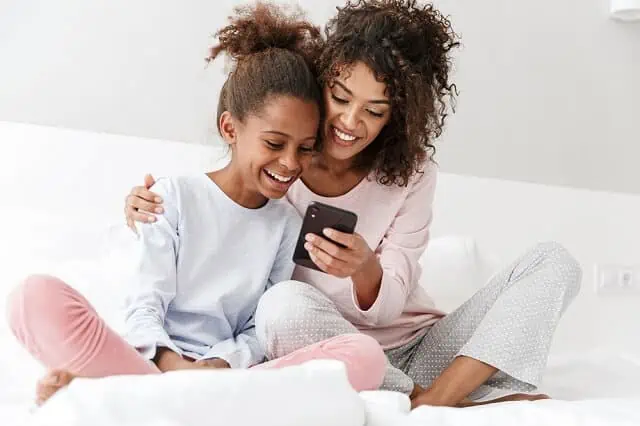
374 309
147 342
382 311
234 359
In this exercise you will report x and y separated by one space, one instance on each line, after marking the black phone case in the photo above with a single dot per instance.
317 217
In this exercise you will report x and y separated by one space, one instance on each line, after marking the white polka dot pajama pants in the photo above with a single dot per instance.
508 324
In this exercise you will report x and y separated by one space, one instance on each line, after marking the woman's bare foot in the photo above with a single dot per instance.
423 397
507 398
51 383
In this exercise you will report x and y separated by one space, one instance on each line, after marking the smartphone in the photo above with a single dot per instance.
318 217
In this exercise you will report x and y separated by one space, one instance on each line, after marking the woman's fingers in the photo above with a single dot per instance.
324 267
144 205
149 181
347 240
326 262
145 194
328 247
134 215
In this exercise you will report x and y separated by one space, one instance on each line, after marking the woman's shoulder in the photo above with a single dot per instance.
425 176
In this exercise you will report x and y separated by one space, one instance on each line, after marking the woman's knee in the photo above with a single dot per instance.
282 305
565 268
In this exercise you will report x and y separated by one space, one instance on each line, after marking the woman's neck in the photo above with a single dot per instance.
334 167
231 182
329 177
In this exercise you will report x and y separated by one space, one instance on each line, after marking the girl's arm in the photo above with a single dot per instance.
241 351
153 280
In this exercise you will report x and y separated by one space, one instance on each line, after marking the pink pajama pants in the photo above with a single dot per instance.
60 328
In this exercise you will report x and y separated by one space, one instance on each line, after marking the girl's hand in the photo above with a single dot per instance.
213 363
167 360
141 202
335 260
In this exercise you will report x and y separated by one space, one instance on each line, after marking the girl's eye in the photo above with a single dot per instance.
273 145
306 149
376 114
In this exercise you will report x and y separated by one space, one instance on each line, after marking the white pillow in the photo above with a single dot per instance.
313 394
384 408
453 269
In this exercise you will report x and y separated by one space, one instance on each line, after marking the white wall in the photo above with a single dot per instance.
549 89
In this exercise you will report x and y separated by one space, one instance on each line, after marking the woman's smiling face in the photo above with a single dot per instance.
357 109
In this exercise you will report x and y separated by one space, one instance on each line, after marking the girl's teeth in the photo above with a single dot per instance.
278 177
343 136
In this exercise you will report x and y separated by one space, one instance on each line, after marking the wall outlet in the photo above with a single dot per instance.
617 279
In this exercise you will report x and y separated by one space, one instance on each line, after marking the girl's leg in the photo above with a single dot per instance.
293 315
502 335
362 355
62 330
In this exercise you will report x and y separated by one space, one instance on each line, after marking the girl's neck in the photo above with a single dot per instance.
231 182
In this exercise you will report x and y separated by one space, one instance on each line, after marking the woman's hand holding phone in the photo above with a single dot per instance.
355 260
339 261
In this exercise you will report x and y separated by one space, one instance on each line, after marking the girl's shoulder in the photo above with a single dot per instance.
180 189
286 211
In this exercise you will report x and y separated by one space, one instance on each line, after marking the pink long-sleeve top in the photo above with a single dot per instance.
395 222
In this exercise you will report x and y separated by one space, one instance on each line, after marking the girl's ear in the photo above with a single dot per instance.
228 128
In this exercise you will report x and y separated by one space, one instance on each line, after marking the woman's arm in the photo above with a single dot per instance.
382 279
400 250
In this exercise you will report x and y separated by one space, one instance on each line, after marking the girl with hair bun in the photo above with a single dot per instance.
224 239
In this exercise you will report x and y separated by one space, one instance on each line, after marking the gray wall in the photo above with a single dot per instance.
549 93
550 89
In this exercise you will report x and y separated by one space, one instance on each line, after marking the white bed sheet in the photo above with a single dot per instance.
593 388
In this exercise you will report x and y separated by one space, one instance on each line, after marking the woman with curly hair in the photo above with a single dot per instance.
385 74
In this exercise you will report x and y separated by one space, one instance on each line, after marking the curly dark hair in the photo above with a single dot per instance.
407 46
274 54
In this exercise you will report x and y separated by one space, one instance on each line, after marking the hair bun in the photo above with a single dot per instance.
263 26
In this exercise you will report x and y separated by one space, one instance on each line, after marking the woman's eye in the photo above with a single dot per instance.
376 114
339 100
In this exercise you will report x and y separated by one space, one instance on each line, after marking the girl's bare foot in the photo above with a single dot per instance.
51 383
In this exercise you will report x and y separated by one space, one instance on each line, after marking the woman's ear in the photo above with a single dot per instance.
228 128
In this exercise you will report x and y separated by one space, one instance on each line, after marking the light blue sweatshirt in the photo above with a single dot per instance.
201 268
